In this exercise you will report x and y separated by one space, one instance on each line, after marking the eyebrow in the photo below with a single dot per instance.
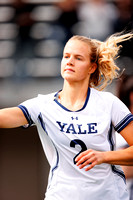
78 55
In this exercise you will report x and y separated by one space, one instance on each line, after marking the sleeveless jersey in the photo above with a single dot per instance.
65 133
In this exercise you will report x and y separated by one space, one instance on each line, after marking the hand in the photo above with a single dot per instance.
89 158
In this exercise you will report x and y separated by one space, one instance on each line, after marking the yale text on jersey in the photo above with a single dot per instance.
90 128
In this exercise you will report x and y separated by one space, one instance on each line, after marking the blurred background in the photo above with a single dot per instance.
32 36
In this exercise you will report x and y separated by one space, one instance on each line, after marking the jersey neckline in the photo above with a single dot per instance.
86 101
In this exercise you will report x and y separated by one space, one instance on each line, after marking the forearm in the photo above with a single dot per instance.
11 118
120 157
90 158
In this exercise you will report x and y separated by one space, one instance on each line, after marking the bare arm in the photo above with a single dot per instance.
12 117
90 158
128 171
124 156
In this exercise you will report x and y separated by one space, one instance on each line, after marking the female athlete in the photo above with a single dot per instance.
77 124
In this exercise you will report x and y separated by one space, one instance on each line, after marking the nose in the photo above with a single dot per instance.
70 61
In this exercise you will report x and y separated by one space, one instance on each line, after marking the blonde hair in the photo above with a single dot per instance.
104 55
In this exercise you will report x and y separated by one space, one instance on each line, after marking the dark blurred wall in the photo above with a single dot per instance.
23 166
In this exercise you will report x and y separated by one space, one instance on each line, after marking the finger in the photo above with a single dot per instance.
87 162
82 160
90 166
82 155
85 158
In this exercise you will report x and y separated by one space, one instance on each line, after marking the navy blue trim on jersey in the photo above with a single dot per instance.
111 141
123 123
57 162
56 165
56 100
118 172
110 138
86 101
42 122
26 114
40 118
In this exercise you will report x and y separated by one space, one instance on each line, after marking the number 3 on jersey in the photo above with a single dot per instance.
75 142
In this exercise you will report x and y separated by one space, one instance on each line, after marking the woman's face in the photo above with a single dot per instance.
76 65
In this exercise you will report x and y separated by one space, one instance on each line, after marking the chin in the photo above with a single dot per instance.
69 78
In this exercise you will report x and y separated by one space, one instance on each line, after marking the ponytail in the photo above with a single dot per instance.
107 53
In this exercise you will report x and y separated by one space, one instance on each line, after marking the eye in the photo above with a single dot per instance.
66 56
78 58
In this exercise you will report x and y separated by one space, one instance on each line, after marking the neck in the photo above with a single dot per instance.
73 96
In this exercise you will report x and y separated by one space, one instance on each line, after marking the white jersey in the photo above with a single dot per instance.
65 133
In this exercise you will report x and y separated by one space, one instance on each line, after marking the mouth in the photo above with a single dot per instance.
69 69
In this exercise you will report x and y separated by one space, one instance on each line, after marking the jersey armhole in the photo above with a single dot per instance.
124 122
27 116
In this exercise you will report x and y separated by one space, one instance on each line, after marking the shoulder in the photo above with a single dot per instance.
39 100
46 97
105 100
103 95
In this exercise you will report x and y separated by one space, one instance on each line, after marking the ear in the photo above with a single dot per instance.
93 68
